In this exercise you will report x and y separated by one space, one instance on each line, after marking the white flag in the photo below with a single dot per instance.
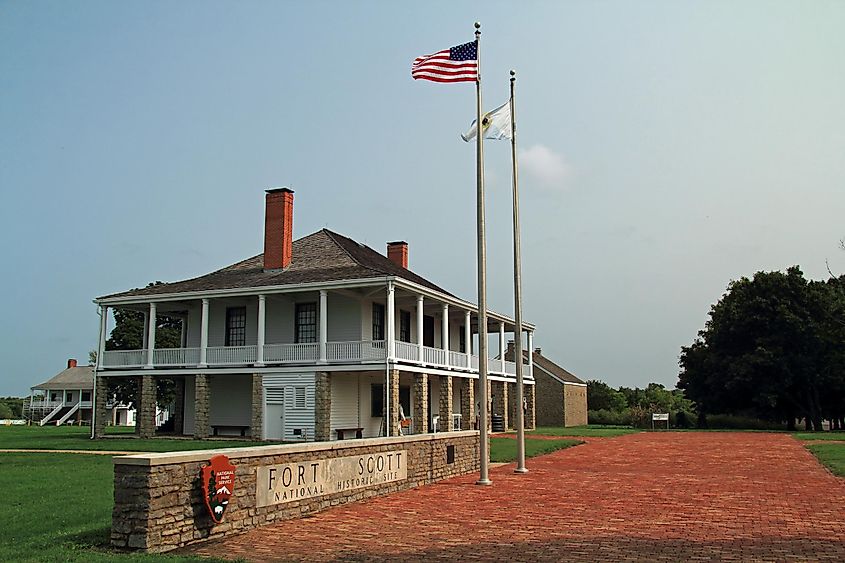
496 124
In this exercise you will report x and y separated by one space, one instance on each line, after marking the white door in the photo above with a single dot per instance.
274 413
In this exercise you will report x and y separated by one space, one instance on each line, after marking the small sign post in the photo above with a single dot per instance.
660 416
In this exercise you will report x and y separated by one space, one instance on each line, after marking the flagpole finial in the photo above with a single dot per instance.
477 25
477 30
513 75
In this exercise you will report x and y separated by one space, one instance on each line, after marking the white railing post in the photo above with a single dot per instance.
530 354
101 351
502 346
151 337
259 340
204 335
468 337
444 333
324 324
391 314
420 303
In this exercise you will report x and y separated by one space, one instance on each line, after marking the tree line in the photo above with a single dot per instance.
634 406
773 347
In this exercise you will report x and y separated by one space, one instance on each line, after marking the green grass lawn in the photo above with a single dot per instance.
838 435
504 449
591 430
58 508
831 455
78 438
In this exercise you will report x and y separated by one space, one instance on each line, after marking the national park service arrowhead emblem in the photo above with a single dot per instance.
218 485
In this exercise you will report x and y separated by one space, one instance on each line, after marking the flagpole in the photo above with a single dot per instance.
517 296
483 478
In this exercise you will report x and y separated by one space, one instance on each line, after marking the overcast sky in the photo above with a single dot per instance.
666 148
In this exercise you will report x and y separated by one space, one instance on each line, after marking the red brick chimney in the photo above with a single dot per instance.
278 228
397 252
71 363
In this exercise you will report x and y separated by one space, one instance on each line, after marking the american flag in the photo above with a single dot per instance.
458 64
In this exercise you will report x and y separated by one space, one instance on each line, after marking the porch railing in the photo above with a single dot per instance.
230 355
291 353
124 358
176 356
408 351
305 353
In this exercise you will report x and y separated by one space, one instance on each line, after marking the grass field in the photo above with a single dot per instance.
78 438
838 435
59 509
504 449
831 455
591 430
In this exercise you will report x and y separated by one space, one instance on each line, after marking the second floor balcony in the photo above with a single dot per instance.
399 327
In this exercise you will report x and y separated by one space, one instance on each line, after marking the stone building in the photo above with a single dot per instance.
561 396
315 339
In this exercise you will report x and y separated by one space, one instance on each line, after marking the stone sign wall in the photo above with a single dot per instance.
159 503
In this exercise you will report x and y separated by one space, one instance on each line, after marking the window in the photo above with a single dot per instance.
235 326
299 397
405 326
68 396
378 321
377 399
306 323
428 331
86 395
462 346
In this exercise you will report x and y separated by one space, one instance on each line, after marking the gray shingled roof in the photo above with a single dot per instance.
324 256
80 377
546 364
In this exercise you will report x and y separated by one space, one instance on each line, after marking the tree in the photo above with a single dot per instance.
601 396
128 334
768 349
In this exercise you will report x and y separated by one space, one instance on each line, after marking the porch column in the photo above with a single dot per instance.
502 346
145 425
101 392
467 404
420 301
500 400
324 323
183 333
444 332
420 406
391 320
151 336
391 402
204 334
322 406
201 406
179 406
530 354
257 421
146 330
530 401
259 339
445 408
104 320
468 337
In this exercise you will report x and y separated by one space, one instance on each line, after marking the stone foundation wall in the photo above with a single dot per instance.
158 498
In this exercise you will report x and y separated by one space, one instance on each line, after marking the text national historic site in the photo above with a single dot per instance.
276 484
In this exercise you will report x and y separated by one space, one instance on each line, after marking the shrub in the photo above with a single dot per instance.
737 422
608 417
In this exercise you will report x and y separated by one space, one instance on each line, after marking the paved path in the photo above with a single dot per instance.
675 496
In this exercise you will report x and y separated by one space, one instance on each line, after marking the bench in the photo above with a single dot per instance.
215 428
359 432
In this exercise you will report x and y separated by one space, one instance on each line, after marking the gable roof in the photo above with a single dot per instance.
80 377
546 365
324 256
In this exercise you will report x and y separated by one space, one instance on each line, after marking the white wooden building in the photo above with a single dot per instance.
312 337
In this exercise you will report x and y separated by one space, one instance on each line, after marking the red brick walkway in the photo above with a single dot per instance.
653 496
